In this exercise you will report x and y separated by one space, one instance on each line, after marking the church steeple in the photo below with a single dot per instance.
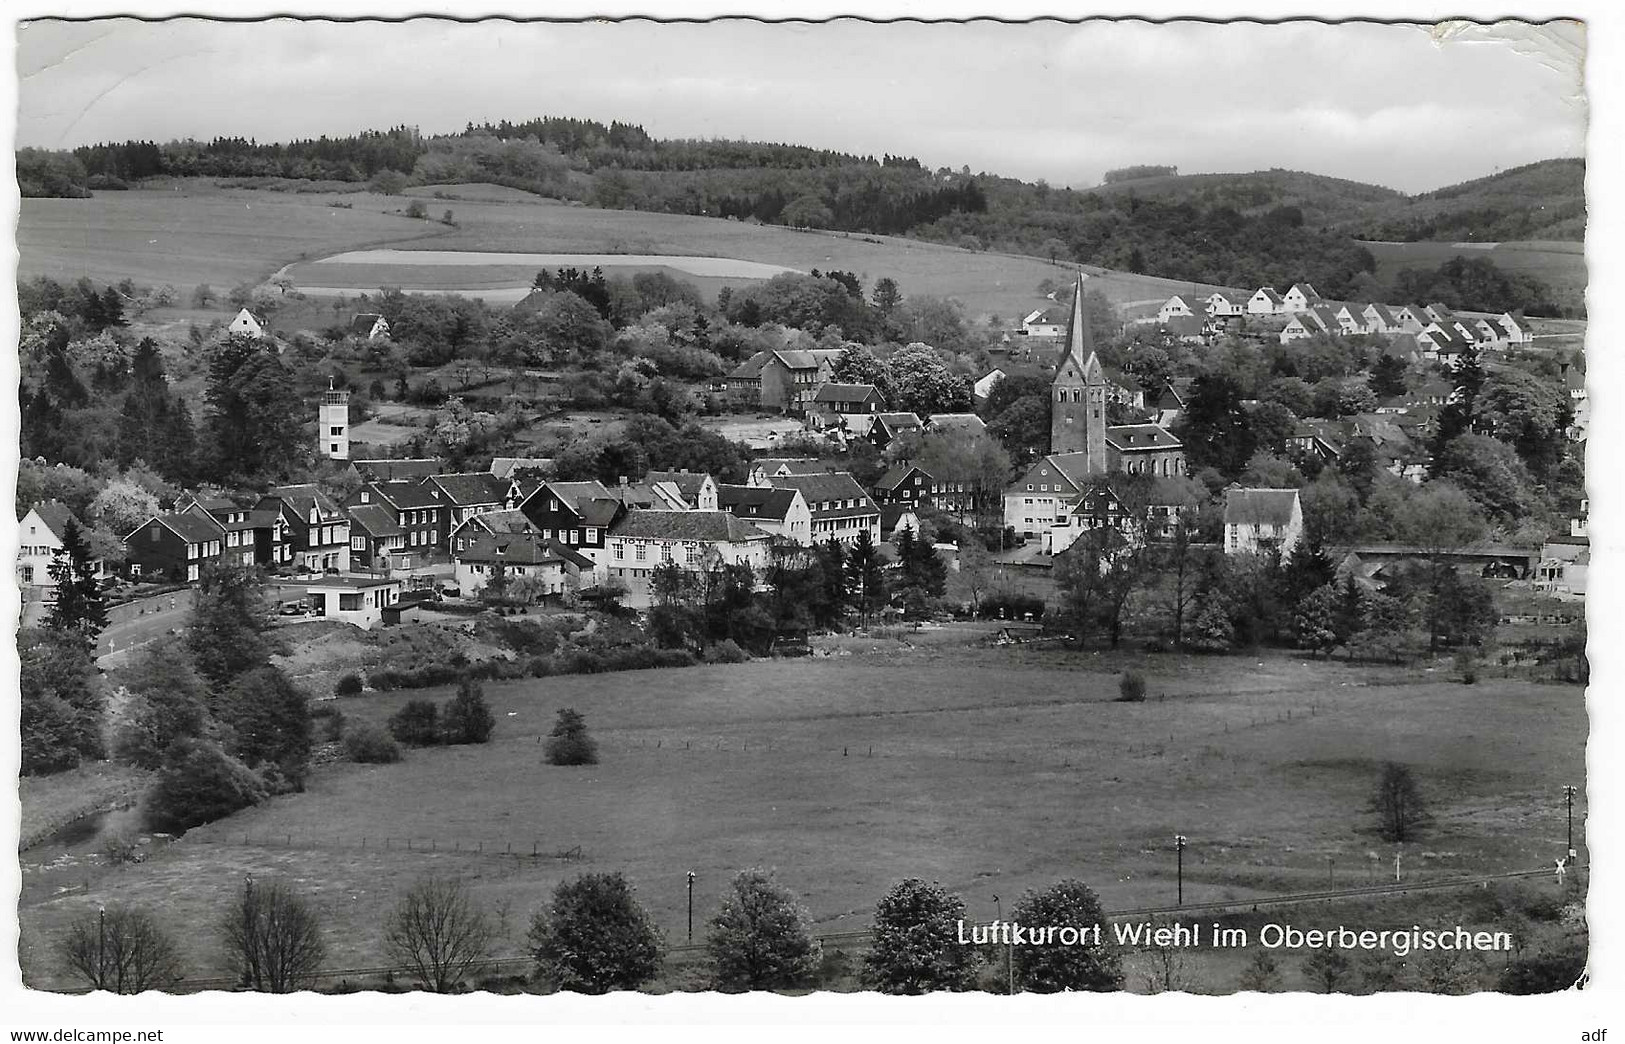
1080 339
1078 393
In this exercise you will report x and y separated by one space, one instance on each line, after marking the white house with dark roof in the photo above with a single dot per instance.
1181 305
642 541
1300 298
1261 519
1350 318
968 423
1516 331
1042 322
246 324
778 512
1412 318
841 509
1223 305
39 540
552 568
1265 301
369 325
985 384
1379 319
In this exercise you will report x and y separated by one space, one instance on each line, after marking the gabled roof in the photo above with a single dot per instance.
302 497
1442 309
714 526
55 515
892 514
687 483
1259 506
1324 317
405 494
504 467
502 520
1382 312
1444 336
895 475
1183 325
194 529
899 422
1307 290
572 493
751 368
1129 438
1269 293
526 548
1041 315
830 486
375 520
364 322
848 393
956 422
471 487
383 470
791 465
756 501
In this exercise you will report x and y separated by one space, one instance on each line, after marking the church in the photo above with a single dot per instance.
1083 447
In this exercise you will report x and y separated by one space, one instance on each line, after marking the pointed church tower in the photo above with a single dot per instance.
1078 406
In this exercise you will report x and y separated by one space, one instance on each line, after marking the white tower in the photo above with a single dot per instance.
333 419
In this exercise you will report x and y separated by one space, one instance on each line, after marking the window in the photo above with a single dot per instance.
135 569
620 552
314 537
27 573
642 552
153 532
434 536
191 572
358 543
665 552
592 536
333 447
336 430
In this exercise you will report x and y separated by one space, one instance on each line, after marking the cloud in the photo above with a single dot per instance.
1044 99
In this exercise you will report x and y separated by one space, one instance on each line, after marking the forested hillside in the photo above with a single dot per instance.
1274 227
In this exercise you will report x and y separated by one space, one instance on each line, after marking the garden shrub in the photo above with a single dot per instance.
1131 687
348 685
417 724
371 745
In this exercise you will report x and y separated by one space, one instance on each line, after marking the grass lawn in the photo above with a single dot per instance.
990 770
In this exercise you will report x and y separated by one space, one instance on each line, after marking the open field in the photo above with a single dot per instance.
1559 264
192 231
990 770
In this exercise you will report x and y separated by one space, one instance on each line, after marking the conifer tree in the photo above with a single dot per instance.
78 606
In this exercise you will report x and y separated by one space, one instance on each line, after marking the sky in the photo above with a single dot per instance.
1385 104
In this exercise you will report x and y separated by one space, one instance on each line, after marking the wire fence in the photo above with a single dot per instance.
688 952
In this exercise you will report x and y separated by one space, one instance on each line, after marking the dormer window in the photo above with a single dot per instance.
366 497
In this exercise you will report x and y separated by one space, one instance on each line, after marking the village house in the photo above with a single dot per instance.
1412 319
1350 318
377 541
1442 341
1516 331
466 494
848 398
576 514
888 426
317 530
369 326
39 540
840 508
1439 312
764 469
250 536
174 547
895 519
1182 306
685 489
1261 519
1300 298
361 601
642 541
782 379
1265 301
1041 322
416 507
1222 305
968 423
1379 319
1300 328
984 385
505 520
779 513
547 568
905 483
246 324
534 469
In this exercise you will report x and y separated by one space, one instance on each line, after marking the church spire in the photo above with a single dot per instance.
1080 340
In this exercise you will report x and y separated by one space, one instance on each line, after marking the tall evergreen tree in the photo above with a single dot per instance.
866 577
78 607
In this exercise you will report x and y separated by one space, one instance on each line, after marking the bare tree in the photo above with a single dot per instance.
121 950
1165 968
1327 969
273 938
440 931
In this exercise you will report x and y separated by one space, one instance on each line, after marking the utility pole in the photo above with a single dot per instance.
1179 854
1009 952
691 906
1568 796
101 948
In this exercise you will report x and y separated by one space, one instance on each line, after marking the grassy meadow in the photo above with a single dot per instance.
191 231
990 770
1561 265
